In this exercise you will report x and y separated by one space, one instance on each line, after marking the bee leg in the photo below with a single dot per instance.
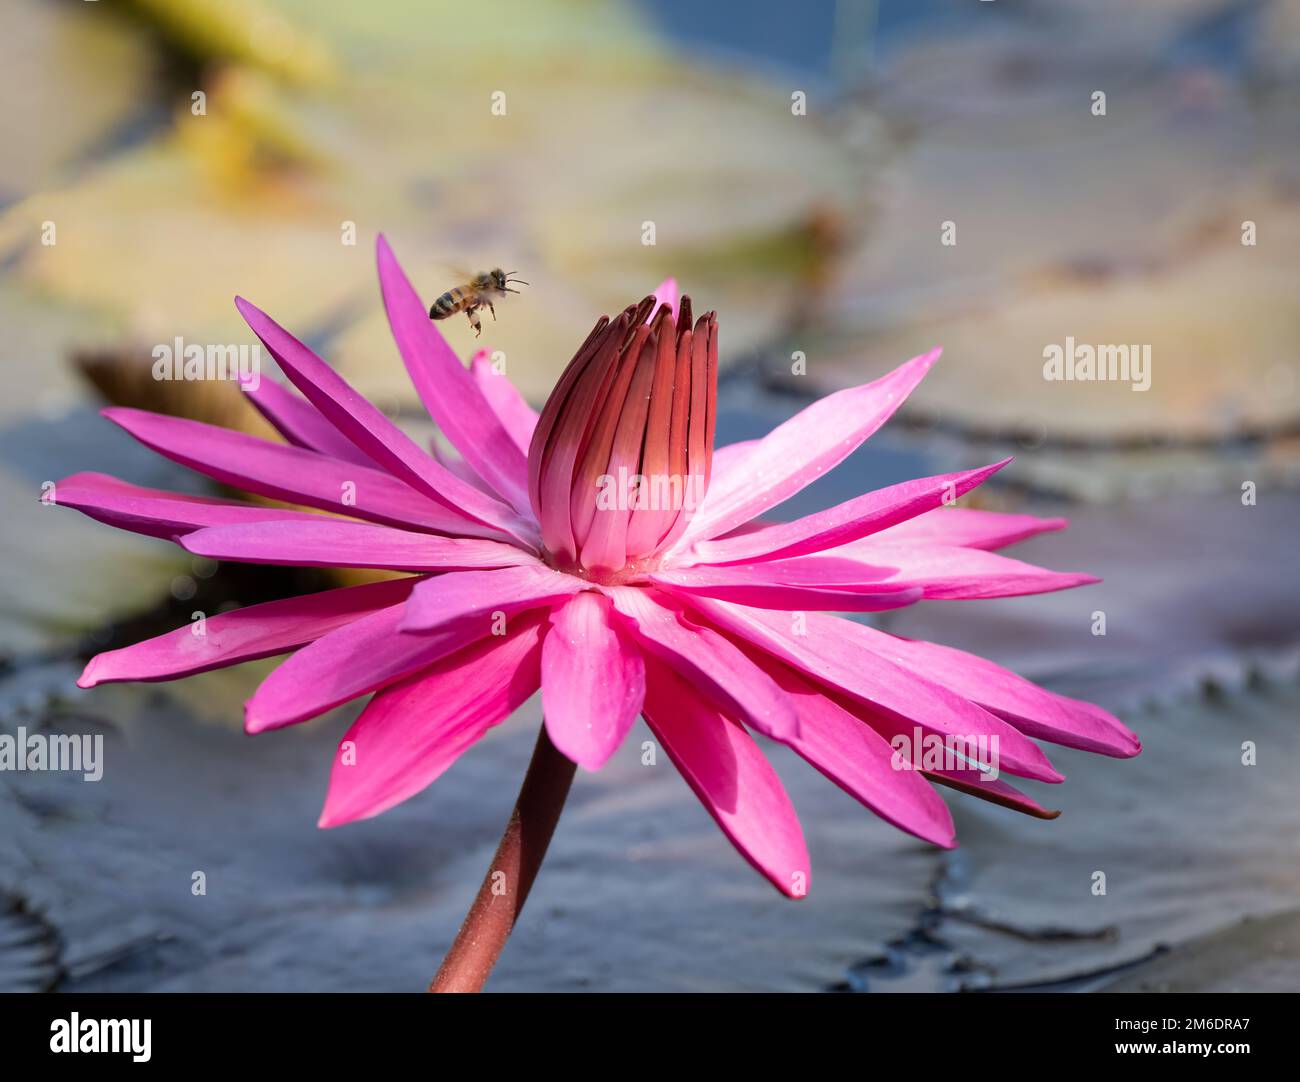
474 321
492 309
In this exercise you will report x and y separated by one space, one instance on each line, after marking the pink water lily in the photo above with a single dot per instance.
607 554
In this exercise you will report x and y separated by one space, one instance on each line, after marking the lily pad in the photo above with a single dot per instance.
1166 224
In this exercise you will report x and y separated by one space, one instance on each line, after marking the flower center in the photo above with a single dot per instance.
621 455
632 573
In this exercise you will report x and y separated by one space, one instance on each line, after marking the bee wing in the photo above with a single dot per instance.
442 276
459 274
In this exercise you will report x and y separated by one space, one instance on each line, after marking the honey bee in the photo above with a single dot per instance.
479 292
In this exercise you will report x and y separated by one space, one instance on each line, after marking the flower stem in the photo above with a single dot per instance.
505 888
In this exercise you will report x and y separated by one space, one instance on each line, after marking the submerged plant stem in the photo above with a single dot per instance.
505 888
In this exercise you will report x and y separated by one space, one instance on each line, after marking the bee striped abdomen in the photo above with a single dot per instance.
448 304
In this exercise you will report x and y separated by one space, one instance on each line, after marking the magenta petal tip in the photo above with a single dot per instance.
88 677
193 544
252 723
926 360
256 319
384 254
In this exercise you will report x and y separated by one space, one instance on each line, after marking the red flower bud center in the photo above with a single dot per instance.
621 456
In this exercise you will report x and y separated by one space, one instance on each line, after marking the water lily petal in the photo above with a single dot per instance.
613 450
659 461
970 528
752 585
830 650
797 452
557 440
848 521
481 595
256 631
861 762
667 293
290 473
447 389
952 573
1035 711
299 422
450 460
593 680
316 541
412 731
714 664
154 511
366 426
517 417
732 778
995 791
362 657
727 459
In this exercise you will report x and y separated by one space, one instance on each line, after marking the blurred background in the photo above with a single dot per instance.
848 183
